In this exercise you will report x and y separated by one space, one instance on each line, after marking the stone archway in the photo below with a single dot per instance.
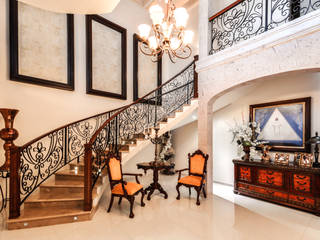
296 52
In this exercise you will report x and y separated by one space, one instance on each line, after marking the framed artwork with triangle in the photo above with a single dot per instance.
285 125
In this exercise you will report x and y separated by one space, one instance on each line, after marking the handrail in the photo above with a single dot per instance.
139 100
227 8
133 119
64 126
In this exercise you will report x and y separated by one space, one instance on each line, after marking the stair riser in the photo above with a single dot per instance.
72 204
47 222
79 167
60 190
69 178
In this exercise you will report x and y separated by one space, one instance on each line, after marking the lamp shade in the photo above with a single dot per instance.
314 140
75 6
156 14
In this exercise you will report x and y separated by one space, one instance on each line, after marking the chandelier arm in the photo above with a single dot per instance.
184 50
170 57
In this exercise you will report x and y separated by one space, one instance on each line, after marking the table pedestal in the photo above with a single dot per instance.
155 185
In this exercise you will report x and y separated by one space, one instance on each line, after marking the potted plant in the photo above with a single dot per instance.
245 136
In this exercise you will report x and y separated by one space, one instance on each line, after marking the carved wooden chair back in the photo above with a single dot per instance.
198 163
114 168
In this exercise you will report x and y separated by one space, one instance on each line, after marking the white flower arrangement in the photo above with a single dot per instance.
245 135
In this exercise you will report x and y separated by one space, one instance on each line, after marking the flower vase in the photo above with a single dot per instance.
246 150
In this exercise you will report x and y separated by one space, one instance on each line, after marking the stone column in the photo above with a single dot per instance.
205 137
203 28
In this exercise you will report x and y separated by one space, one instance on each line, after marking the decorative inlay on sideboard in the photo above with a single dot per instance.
270 177
301 183
245 174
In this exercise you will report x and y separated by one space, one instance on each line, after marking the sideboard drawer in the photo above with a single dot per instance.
302 183
302 200
268 193
270 177
245 174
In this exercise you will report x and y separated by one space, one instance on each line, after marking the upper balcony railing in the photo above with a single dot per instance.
245 19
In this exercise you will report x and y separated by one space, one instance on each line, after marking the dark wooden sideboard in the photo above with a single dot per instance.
288 185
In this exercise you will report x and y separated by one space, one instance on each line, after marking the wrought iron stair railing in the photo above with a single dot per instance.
34 162
145 113
245 19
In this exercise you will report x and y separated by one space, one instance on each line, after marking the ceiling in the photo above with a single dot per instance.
178 3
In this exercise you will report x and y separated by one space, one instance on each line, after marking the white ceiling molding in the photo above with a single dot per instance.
75 6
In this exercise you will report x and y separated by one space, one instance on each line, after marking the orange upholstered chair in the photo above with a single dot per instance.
120 188
197 173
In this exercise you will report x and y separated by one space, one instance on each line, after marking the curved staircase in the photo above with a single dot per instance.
59 200
61 175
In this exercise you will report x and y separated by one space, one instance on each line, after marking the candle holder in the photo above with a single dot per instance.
156 140
315 141
8 134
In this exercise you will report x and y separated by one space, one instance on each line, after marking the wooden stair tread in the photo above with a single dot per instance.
42 214
65 199
76 184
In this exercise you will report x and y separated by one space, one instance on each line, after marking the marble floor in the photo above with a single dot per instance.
222 216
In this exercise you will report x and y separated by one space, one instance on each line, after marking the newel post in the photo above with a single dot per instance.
87 206
8 134
195 95
14 192
12 160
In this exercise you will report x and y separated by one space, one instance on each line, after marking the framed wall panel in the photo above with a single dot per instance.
106 58
41 46
147 75
285 125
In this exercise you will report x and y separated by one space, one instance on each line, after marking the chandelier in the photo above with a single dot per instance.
168 33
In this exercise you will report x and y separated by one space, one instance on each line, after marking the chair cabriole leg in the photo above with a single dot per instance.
204 191
120 199
198 189
111 202
178 186
131 200
142 196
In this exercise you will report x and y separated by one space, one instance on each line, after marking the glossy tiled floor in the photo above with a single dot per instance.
223 216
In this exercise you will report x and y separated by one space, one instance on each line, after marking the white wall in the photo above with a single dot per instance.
283 87
217 5
185 140
43 109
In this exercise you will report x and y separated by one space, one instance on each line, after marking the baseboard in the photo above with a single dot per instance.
222 183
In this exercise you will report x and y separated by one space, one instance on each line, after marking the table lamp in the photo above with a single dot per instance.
315 141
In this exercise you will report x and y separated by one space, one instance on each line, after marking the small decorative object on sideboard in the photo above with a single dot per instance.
245 136
282 158
304 159
315 140
265 157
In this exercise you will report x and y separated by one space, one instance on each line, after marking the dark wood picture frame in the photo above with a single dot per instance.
123 32
14 53
136 40
307 123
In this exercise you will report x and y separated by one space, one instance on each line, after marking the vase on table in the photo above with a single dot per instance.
246 150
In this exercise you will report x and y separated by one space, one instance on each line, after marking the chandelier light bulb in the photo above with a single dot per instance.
181 16
153 44
144 31
174 43
156 14
187 37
